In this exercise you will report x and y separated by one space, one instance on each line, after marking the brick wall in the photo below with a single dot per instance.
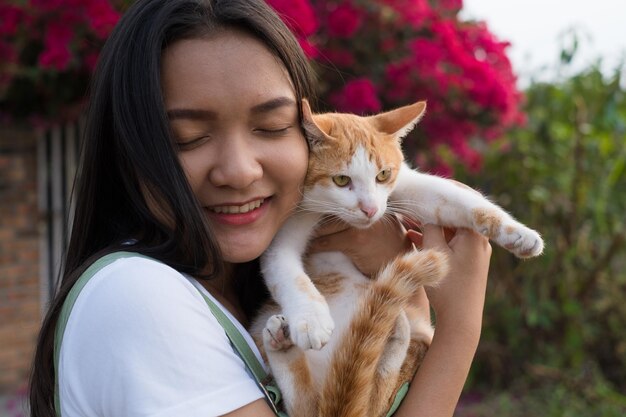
19 255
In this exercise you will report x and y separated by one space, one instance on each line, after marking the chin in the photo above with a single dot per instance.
237 254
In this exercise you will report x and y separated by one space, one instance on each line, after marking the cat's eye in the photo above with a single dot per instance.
383 175
341 180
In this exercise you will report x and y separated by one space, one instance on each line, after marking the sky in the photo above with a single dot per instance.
535 29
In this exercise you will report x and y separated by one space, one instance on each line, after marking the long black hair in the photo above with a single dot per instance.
129 162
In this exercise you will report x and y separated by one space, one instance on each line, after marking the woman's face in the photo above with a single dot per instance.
234 114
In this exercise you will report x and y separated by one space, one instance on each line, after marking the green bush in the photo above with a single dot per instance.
554 318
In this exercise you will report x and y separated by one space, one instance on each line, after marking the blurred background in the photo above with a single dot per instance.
526 102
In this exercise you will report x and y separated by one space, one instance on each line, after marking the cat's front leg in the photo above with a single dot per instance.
290 368
436 200
499 226
283 270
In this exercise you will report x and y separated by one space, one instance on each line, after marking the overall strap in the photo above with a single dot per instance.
68 304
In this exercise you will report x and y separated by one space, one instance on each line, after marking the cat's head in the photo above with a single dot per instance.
354 161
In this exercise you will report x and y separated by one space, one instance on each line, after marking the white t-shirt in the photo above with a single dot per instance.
141 341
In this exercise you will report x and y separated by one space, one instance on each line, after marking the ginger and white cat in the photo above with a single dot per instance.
357 173
378 343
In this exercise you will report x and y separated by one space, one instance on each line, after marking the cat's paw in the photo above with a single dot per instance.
276 334
311 329
520 240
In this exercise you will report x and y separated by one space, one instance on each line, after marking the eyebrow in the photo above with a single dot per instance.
192 114
272 104
201 114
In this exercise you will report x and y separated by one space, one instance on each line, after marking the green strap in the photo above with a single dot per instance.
68 304
404 388
264 381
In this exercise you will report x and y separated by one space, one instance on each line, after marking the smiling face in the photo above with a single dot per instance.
233 112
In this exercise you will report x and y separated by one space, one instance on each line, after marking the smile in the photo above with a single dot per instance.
232 209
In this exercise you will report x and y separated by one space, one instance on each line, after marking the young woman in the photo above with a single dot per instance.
194 157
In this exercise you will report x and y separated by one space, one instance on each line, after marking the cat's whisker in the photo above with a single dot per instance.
409 215
388 220
407 204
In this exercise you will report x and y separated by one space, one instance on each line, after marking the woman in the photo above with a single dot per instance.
194 156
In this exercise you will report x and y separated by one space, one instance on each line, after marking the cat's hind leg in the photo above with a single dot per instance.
290 369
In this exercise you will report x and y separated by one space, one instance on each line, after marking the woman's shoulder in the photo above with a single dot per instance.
137 274
137 289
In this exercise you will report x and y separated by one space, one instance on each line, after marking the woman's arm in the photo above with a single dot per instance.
458 304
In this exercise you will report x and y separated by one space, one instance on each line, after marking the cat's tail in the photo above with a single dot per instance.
349 385
400 278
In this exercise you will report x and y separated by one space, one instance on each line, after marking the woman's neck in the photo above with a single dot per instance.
223 289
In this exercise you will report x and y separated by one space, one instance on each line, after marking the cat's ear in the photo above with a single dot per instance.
401 121
316 126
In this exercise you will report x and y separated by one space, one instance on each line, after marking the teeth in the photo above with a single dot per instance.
238 209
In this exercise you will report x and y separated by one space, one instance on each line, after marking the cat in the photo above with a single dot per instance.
357 173
377 345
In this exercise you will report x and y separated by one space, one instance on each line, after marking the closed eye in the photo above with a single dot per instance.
273 131
193 143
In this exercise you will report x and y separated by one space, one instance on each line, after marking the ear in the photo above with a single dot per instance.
316 126
401 121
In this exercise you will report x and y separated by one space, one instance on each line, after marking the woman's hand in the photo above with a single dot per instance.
369 249
458 303
461 295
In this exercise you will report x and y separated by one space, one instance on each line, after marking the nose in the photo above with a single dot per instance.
237 164
368 210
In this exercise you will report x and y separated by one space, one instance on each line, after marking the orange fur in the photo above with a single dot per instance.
489 220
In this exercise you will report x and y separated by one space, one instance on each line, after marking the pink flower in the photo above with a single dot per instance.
450 5
399 80
102 17
56 53
414 12
309 49
298 15
357 96
10 17
344 21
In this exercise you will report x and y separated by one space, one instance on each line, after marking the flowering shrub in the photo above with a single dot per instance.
380 54
370 55
48 50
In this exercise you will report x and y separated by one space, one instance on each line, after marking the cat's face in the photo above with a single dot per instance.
354 162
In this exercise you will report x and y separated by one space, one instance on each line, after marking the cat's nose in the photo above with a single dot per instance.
368 211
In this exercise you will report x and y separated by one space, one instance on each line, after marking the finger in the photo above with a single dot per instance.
466 235
434 237
409 223
415 237
449 233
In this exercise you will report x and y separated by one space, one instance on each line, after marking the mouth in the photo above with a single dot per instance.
237 209
239 214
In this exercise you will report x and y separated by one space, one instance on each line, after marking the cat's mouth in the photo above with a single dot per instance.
237 208
362 223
